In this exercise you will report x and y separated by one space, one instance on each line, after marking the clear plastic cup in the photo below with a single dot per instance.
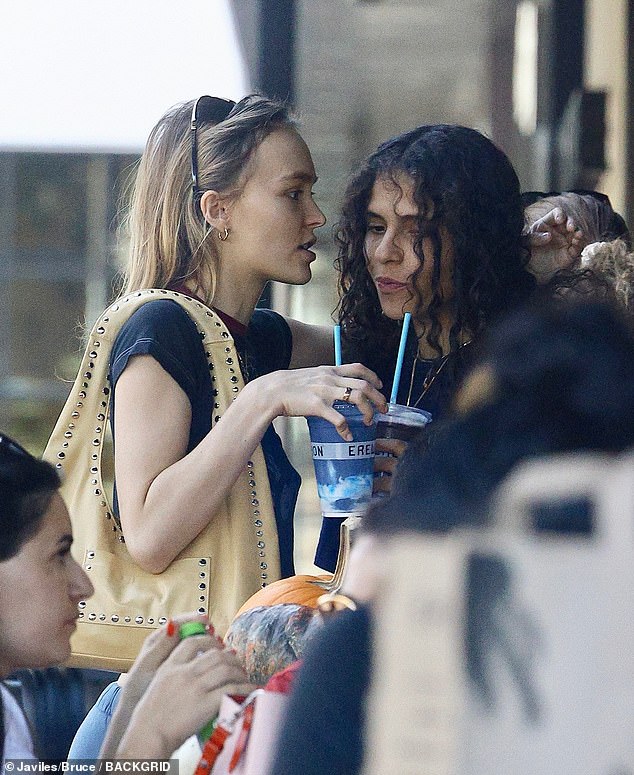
401 422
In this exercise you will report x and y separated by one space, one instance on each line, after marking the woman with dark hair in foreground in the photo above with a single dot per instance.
41 586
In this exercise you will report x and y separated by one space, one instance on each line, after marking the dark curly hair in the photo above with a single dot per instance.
563 381
463 182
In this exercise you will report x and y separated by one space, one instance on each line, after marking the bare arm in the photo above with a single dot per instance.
166 497
312 345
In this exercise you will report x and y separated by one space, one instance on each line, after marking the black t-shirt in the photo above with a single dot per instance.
165 331
443 375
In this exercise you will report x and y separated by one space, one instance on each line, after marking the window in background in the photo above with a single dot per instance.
57 265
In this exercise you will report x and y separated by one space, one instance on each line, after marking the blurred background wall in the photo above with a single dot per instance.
550 81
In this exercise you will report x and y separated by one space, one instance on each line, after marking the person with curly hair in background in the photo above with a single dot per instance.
589 214
432 224
615 264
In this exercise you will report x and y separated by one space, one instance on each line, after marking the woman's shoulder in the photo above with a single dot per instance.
267 321
323 727
159 314
164 330
162 320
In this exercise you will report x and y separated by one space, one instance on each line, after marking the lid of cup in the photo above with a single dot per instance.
414 415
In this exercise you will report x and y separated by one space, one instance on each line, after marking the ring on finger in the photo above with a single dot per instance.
346 395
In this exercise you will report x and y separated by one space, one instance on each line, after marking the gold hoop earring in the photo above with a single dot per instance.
222 237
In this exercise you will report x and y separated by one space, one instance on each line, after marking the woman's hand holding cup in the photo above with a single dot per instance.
312 393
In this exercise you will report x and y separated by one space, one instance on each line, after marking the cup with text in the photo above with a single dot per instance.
343 469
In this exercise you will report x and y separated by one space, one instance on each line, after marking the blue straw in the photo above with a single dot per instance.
399 359
337 336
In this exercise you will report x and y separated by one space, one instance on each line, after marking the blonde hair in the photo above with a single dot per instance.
613 262
169 239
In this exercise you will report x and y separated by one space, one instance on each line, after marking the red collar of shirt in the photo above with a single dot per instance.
236 328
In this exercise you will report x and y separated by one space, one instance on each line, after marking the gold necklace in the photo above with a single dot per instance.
430 378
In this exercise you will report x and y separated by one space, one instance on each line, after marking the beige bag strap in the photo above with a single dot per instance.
76 446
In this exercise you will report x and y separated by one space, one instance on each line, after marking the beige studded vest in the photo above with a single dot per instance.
233 557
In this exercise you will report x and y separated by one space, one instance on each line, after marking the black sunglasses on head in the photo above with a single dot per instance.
206 110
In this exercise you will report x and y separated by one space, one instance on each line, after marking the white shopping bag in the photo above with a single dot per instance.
255 749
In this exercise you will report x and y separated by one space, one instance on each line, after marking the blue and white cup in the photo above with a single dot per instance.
343 469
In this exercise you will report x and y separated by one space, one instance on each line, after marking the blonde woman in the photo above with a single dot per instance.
223 203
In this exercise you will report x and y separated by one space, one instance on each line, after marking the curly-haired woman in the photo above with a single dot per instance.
432 224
